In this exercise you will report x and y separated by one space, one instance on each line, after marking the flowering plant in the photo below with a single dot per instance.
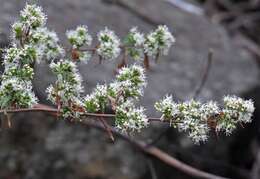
32 43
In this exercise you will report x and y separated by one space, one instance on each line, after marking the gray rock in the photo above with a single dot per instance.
233 72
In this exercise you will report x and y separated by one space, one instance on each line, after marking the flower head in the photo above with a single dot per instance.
32 16
16 93
68 86
235 110
134 43
209 109
159 41
129 118
109 44
79 37
167 107
20 56
191 120
130 81
97 100
47 44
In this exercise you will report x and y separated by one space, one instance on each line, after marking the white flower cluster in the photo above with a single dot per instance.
130 82
129 118
33 16
16 88
167 107
128 86
191 120
159 42
235 110
47 44
97 100
109 44
136 38
120 94
67 88
134 42
15 93
79 37
194 117
17 57
33 42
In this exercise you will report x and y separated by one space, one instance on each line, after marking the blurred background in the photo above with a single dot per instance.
39 147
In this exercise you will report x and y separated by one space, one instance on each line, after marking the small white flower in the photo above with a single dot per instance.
209 109
91 103
129 118
167 107
69 83
33 16
159 41
130 81
135 38
236 110
109 44
79 37
23 98
47 44
15 56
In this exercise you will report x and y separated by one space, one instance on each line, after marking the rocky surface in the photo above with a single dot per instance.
48 149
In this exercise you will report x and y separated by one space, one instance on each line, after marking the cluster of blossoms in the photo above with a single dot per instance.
109 44
158 42
16 87
235 110
32 16
134 42
15 93
120 95
197 118
78 38
129 82
127 87
47 44
129 118
33 42
67 90
97 100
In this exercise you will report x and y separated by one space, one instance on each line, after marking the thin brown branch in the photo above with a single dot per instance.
48 109
150 150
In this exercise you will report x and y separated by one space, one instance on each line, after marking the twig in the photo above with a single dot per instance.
151 150
205 75
48 109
